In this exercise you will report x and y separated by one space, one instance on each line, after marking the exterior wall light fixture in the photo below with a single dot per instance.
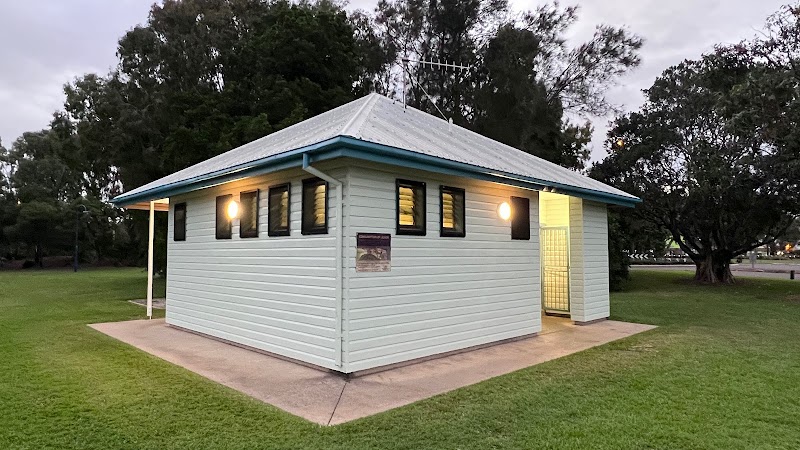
504 211
233 209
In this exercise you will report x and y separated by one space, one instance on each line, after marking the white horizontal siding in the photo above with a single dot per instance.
273 293
279 293
589 296
442 294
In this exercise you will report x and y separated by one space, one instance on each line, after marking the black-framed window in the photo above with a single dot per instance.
248 217
223 222
452 212
315 207
520 218
410 207
179 222
278 205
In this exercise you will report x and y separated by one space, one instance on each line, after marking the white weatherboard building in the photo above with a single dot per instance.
376 234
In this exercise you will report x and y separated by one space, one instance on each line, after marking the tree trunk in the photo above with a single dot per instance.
37 257
714 268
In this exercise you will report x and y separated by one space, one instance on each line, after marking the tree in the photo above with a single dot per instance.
514 107
629 234
43 185
772 100
8 203
523 77
698 156
579 77
201 77
42 226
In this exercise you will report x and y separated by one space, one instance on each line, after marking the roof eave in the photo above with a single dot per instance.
274 163
345 146
391 155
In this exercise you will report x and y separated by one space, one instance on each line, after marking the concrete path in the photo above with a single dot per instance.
327 398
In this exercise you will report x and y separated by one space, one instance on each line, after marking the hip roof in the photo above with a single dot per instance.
378 126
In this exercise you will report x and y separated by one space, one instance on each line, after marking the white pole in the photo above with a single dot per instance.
150 262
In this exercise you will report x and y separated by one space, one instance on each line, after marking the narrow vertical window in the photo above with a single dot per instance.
452 212
223 222
179 222
315 206
278 210
520 218
248 219
410 207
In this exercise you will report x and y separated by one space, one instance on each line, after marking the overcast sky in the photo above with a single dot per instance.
46 43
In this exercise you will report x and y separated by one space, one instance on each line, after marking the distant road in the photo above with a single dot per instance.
762 270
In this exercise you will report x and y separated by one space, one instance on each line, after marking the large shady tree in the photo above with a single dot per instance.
525 78
704 154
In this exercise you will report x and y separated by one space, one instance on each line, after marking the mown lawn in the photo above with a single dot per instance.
721 371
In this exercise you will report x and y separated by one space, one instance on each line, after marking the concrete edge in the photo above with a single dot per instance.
143 303
411 362
257 350
589 322
358 373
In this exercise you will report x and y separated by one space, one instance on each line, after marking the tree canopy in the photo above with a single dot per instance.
704 154
203 76
523 77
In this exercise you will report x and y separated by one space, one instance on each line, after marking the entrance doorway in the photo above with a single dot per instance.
554 243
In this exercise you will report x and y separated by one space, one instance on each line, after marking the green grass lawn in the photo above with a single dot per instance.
721 371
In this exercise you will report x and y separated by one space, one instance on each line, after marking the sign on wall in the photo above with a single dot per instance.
373 252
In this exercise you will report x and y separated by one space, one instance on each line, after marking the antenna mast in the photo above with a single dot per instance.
436 64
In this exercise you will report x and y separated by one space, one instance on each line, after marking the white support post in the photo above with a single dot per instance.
150 261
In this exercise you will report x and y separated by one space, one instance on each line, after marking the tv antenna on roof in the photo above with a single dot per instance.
435 64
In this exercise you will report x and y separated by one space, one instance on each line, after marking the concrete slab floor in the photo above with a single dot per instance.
327 398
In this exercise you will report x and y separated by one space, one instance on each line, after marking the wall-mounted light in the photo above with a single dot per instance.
233 209
504 211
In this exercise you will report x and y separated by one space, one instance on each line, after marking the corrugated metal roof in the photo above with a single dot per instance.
381 120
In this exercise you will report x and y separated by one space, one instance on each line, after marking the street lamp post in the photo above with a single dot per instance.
77 225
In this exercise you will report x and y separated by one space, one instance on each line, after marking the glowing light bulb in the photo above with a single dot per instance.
233 209
504 211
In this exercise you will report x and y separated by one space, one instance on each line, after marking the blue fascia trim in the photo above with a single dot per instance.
386 154
274 163
344 146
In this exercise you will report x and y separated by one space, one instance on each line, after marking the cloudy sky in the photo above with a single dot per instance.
46 43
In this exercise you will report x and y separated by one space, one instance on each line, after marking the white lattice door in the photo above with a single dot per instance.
555 269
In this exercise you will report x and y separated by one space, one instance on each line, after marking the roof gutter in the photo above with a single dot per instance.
286 160
345 146
356 148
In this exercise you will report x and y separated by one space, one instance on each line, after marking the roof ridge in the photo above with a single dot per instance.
353 126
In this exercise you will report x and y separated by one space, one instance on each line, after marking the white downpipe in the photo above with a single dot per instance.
150 238
339 242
